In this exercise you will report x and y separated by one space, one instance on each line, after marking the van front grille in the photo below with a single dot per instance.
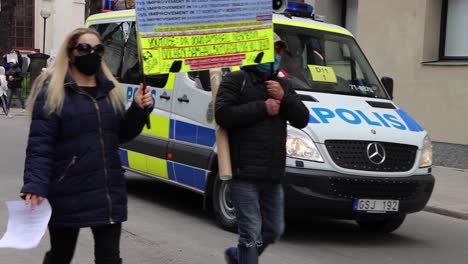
353 154
385 188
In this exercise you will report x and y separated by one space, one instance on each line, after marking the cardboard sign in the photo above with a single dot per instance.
189 35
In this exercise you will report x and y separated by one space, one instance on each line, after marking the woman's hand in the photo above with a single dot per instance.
144 100
33 198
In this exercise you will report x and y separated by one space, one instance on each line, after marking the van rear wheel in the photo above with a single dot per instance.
223 206
385 225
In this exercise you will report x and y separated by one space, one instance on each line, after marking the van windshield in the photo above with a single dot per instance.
327 62
121 55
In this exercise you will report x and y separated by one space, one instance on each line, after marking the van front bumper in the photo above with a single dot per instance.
328 193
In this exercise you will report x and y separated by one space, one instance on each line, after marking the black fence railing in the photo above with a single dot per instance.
26 84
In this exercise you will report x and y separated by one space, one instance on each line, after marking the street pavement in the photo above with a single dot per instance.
450 193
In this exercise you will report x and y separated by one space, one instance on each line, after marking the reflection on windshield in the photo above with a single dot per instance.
327 62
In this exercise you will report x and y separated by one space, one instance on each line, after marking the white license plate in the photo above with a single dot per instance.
371 205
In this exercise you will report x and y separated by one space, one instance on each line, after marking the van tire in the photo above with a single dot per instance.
223 207
386 225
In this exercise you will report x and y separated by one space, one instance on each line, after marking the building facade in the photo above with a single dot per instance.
64 17
59 17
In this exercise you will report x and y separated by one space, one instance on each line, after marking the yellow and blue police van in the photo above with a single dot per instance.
362 157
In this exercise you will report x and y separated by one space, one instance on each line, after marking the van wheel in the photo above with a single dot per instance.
223 206
386 225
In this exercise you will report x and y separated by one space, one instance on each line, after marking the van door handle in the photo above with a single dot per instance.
165 96
184 98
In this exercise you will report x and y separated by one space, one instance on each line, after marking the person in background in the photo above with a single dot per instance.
255 115
297 71
14 78
78 120
20 59
4 62
3 92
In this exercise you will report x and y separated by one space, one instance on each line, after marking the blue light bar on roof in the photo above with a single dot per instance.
300 9
108 5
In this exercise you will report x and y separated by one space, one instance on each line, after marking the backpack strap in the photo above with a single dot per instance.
241 78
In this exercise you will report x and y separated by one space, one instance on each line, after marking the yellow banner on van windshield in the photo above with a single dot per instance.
180 35
322 73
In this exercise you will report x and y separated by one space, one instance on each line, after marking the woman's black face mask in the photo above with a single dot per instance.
89 61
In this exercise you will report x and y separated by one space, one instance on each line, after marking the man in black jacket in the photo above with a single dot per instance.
14 76
255 106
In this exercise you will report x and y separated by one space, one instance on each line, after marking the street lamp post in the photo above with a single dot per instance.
45 13
39 60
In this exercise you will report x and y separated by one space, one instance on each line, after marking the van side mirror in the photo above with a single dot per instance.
388 85
204 78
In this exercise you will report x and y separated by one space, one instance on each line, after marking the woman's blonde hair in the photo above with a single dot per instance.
57 71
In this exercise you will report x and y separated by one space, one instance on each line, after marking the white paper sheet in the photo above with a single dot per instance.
26 226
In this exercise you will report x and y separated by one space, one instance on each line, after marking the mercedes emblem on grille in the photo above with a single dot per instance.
376 153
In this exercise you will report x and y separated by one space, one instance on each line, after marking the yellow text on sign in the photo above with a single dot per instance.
178 41
210 26
215 50
322 73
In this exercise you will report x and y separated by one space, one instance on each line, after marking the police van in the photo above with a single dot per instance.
361 157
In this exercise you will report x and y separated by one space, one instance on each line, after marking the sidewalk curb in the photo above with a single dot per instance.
446 212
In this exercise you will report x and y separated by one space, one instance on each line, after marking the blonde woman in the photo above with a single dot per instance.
72 157
3 92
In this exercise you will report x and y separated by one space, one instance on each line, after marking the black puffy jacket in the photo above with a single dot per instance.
17 75
73 158
257 141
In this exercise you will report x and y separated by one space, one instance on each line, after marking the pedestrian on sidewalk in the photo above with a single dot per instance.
19 58
4 62
254 105
3 92
14 77
78 120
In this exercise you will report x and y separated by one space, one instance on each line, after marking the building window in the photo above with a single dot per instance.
454 41
22 34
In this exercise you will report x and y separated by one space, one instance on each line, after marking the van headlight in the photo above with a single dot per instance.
300 145
426 153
